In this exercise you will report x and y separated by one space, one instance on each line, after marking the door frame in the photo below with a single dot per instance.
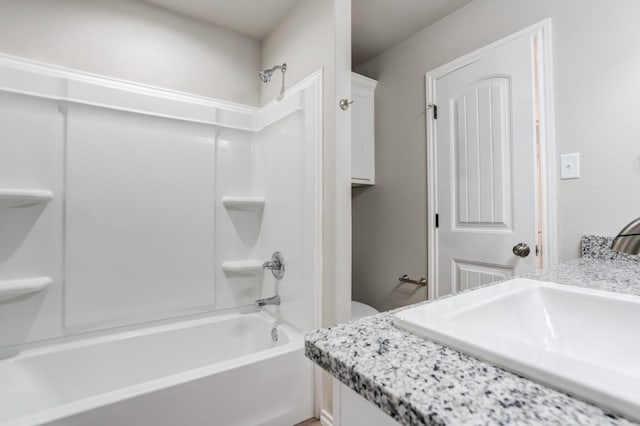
541 34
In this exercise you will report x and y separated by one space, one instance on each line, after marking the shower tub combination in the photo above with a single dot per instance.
224 370
147 252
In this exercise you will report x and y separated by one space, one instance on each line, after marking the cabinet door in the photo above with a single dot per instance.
357 411
362 131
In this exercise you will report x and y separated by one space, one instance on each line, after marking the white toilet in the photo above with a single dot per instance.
360 310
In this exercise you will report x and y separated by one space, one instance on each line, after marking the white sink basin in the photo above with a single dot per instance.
584 342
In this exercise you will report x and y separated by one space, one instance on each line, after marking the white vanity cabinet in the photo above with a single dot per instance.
363 170
351 409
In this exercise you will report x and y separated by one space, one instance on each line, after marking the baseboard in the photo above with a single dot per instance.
326 419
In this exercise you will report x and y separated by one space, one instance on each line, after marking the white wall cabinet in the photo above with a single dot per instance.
363 171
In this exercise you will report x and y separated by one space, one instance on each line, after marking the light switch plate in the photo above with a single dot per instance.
570 166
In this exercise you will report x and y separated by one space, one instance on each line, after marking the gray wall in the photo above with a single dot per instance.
304 40
597 100
134 41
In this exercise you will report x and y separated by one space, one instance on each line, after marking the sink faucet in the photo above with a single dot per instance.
628 240
275 300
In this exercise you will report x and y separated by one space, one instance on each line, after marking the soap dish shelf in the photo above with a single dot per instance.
252 267
13 198
243 203
11 289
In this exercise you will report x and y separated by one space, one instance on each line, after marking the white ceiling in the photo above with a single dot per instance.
381 24
377 24
254 18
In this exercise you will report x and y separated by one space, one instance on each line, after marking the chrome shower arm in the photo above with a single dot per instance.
282 67
265 76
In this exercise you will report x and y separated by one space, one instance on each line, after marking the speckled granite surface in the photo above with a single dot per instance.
419 382
596 247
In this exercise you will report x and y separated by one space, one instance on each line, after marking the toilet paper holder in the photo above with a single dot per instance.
406 279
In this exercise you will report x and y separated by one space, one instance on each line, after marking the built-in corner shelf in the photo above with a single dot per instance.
12 198
10 289
243 203
242 266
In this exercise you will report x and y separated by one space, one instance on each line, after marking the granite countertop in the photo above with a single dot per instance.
419 382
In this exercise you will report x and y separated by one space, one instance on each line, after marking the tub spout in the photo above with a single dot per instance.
275 300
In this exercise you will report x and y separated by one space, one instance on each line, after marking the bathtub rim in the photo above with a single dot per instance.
59 412
14 351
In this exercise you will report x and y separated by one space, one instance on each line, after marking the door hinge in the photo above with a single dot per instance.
537 250
433 107
437 220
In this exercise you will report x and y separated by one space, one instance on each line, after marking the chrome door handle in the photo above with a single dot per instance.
521 249
344 104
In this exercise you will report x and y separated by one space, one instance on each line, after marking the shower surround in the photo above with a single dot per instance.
125 208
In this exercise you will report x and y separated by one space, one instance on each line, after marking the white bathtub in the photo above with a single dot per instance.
216 371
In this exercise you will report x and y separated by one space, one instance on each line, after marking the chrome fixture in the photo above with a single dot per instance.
274 331
275 300
406 279
521 249
628 240
276 265
265 76
344 104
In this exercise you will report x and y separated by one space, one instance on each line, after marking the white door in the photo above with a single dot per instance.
486 167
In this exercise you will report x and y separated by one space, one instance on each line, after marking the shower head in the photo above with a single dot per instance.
265 75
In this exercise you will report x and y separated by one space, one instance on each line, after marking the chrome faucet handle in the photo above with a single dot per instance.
276 265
